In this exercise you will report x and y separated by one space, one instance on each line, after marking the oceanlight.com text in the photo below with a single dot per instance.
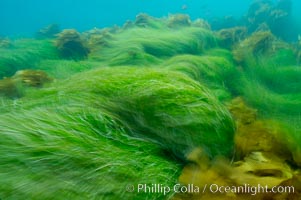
248 189
211 188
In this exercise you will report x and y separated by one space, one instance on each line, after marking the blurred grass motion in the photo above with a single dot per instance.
91 135
144 101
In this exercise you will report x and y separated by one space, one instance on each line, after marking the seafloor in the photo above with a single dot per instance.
158 101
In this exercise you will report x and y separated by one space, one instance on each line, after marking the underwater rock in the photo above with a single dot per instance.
264 136
9 88
70 45
254 135
285 5
143 20
259 43
262 27
240 176
276 17
225 22
13 87
231 36
32 78
49 31
178 20
98 38
128 24
241 112
258 13
201 23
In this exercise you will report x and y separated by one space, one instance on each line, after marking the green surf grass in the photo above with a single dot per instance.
132 111
140 46
76 153
91 135
25 54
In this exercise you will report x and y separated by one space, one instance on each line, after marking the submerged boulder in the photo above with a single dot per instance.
13 86
259 43
70 45
8 88
33 78
201 23
178 20
231 36
48 32
143 20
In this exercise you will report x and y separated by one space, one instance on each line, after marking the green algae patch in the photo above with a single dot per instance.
92 135
76 153
216 72
167 107
142 46
61 69
25 54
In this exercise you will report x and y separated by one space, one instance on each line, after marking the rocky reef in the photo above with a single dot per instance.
49 31
14 86
158 100
71 45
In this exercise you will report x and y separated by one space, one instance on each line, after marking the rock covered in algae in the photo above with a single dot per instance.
259 43
163 106
33 78
253 135
143 20
8 88
231 36
98 38
71 45
241 178
13 86
201 23
178 20
49 31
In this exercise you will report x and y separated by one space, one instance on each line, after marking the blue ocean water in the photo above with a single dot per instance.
24 17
